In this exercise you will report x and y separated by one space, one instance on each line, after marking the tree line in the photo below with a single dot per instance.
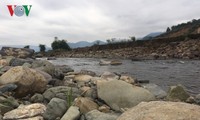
55 45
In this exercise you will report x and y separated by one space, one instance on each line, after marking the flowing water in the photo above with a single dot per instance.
164 73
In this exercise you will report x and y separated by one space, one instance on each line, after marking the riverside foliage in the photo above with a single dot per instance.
60 44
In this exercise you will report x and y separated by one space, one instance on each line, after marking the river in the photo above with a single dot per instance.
164 73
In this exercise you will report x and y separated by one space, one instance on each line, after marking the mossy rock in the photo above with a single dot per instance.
5 108
177 93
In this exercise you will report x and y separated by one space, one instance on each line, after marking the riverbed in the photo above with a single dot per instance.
164 73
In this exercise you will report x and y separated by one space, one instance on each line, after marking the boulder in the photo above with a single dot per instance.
95 79
9 101
34 118
82 78
109 76
5 68
88 92
85 104
17 52
58 74
87 72
104 62
5 108
190 100
27 111
46 75
104 109
37 98
27 65
128 79
157 110
155 90
96 115
28 80
7 88
60 92
44 65
197 99
177 93
119 94
115 62
65 68
55 108
3 62
72 113
20 62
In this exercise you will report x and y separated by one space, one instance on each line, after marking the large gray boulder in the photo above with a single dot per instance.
160 110
60 92
28 80
55 108
97 115
45 66
119 94
19 61
17 52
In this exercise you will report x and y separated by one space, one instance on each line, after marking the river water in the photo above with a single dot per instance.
164 73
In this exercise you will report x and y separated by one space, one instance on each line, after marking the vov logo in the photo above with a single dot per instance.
19 10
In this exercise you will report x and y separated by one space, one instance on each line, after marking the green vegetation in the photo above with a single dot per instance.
27 46
168 29
42 48
133 38
69 97
60 44
192 24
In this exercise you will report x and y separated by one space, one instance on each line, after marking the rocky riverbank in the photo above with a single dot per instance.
179 48
38 90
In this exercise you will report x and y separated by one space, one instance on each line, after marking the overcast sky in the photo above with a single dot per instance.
89 20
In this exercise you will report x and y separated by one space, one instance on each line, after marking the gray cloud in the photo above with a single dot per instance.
91 19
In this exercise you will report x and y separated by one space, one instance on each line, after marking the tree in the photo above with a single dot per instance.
133 38
113 40
168 30
55 38
27 46
60 44
108 41
42 48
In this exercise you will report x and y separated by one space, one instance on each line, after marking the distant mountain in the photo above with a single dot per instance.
36 48
85 44
151 35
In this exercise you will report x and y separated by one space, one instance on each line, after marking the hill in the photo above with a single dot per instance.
151 35
179 42
85 44
183 29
